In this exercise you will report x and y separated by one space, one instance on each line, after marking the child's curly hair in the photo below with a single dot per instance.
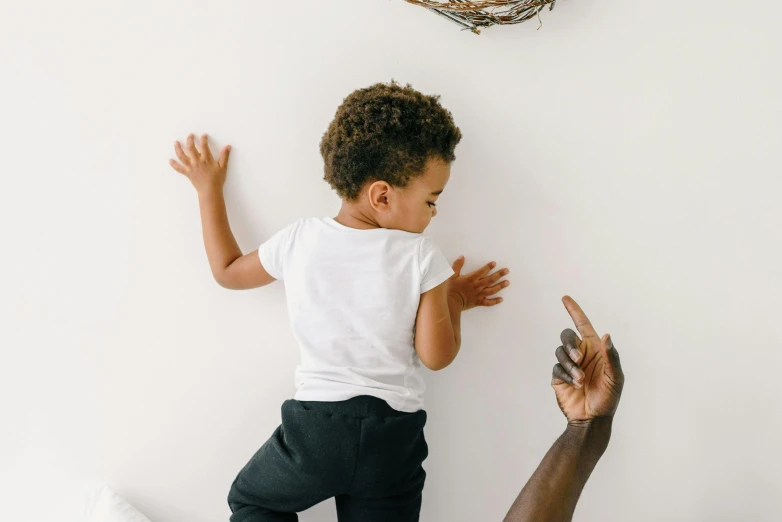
385 133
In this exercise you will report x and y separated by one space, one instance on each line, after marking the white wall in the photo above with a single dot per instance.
627 153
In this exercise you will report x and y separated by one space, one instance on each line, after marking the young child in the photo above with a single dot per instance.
370 299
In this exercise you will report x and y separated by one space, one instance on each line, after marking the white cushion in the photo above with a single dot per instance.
103 505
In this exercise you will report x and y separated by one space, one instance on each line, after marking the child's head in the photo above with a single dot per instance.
389 150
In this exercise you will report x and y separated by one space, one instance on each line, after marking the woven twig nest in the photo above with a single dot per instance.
474 15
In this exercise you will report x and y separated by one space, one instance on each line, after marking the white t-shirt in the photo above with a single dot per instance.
353 297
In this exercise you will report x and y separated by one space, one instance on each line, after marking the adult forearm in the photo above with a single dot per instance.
221 246
552 492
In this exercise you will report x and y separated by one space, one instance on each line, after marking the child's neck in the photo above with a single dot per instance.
355 216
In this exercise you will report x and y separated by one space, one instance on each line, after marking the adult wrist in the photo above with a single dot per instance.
595 433
590 424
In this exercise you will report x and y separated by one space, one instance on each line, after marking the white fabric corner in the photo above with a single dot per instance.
104 505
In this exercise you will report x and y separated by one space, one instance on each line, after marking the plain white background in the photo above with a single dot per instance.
627 153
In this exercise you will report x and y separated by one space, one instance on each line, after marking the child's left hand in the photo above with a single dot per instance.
199 166
478 287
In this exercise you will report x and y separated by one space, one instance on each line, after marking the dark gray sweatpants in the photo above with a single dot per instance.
360 451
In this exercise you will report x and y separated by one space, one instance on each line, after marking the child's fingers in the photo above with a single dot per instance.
496 276
491 290
205 152
223 161
190 147
181 154
177 167
487 301
481 272
458 265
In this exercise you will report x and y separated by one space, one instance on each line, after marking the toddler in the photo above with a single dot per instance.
370 300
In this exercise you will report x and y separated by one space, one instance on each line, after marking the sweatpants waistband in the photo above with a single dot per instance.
360 407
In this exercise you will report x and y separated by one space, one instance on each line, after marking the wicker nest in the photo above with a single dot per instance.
474 15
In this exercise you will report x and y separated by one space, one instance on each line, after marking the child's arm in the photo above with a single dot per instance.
229 267
438 324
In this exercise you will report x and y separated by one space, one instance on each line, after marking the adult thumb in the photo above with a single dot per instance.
614 364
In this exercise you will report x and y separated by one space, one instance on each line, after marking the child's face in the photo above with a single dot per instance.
414 206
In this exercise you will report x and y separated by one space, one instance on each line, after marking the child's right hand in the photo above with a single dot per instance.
476 288
199 166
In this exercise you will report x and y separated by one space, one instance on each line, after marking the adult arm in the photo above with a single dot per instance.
587 382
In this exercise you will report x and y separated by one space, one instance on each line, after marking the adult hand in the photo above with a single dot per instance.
588 379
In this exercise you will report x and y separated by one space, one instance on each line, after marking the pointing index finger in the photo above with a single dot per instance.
579 317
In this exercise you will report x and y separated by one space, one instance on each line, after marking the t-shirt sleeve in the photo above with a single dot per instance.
274 252
435 268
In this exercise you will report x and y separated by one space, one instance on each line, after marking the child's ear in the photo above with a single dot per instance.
379 195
